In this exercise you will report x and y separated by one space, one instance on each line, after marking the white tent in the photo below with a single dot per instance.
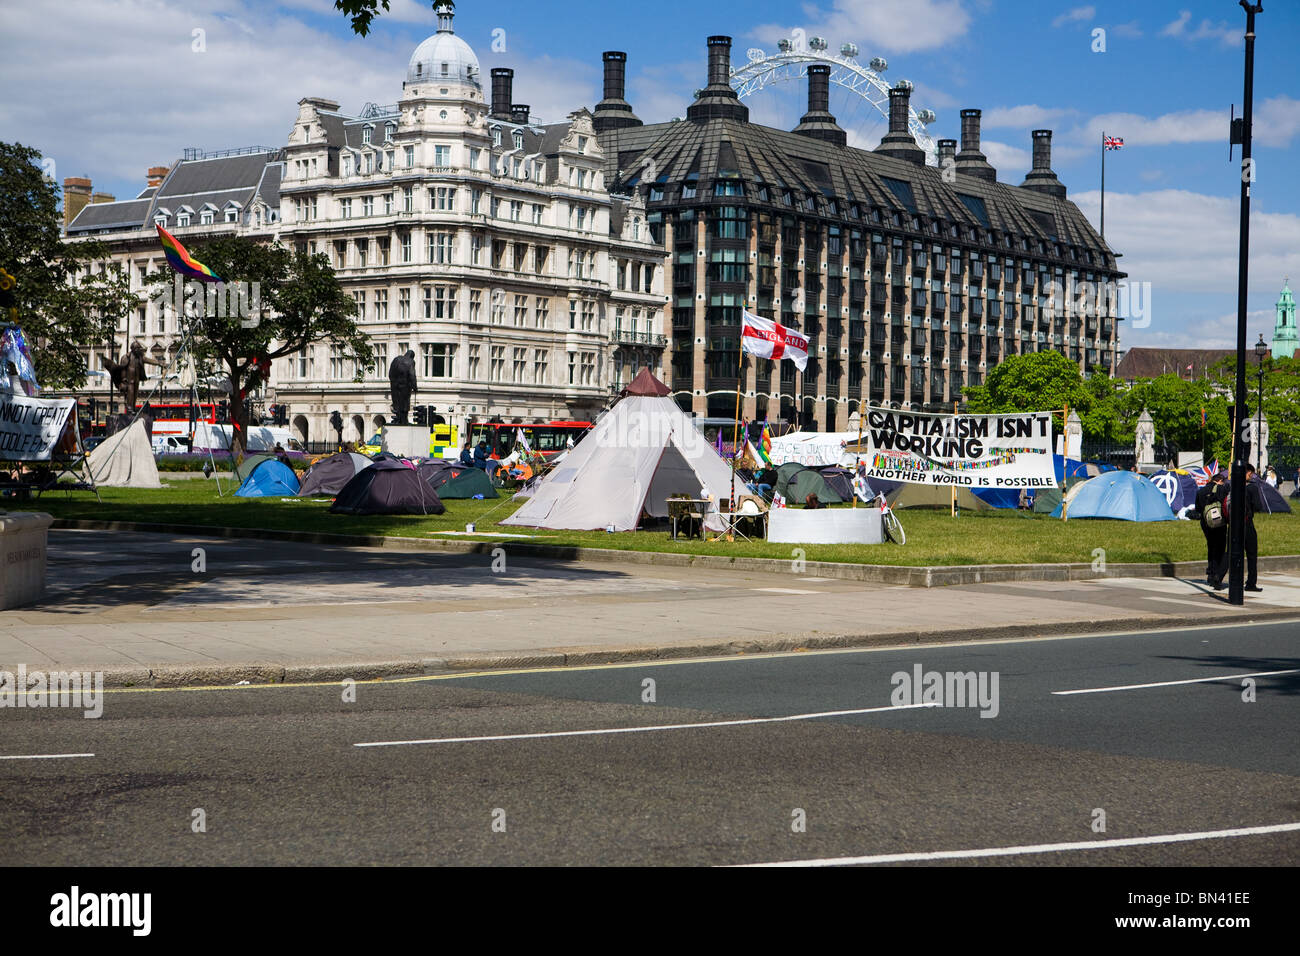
641 451
125 460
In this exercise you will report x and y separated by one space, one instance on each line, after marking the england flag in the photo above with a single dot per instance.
767 339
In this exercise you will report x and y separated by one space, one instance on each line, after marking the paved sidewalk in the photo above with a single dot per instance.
132 606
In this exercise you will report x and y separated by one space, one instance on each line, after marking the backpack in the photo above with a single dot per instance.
1213 515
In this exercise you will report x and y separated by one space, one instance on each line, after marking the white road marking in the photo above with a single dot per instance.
1038 847
785 591
41 756
1171 683
643 730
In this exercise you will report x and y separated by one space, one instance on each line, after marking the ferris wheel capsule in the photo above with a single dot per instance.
879 64
817 43
926 116
783 45
849 49
904 85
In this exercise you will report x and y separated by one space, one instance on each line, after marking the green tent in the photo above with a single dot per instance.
467 484
1046 499
795 482
245 468
935 496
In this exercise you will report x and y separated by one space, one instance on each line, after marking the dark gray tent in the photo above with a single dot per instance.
838 479
387 488
795 483
1272 498
329 475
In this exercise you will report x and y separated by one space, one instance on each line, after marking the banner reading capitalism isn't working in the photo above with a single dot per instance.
974 451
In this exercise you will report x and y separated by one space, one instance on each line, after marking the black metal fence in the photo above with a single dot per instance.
1285 459
1121 455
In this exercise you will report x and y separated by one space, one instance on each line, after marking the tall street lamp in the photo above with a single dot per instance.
1242 134
1261 353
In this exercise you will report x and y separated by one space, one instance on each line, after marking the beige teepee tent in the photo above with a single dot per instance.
641 451
125 460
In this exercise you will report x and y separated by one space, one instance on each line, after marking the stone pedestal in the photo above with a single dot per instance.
22 557
406 441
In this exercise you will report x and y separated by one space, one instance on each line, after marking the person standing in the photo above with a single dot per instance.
1250 540
1214 522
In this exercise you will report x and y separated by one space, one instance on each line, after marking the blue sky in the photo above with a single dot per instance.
126 90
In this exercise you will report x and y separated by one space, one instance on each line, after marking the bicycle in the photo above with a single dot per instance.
892 527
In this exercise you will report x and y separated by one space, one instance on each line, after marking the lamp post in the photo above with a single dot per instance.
1237 515
1261 353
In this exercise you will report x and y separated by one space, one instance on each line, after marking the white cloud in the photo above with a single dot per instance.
1176 28
1277 121
1025 116
1011 162
879 26
1075 16
1129 31
1186 242
1205 326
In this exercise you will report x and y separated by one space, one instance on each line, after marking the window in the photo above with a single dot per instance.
232 214
537 214
428 303
311 208
474 363
388 204
540 255
182 219
588 368
518 139
442 199
473 157
541 312
582 144
205 217
475 305
440 248
304 363
475 249
405 240
521 310
360 299
573 368
365 133
518 364
345 208
516 210
588 315
381 305
498 370
381 360
370 162
476 201
444 302
404 305
408 154
347 165
442 156
408 199
338 364
368 206
540 366
438 360
498 308
363 252
573 313
389 160
581 218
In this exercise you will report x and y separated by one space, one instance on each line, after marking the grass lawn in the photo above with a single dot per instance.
933 537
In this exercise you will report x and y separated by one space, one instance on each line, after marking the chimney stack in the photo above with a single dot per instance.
947 153
76 196
718 100
970 161
614 111
818 121
519 113
1041 178
502 80
156 175
899 142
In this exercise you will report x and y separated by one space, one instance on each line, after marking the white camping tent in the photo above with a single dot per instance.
124 460
641 451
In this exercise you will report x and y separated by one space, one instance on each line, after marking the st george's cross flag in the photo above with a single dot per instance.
767 339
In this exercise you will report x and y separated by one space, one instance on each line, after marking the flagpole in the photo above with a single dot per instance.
1103 184
740 372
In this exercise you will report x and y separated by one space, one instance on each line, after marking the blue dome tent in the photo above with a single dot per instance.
1122 495
269 479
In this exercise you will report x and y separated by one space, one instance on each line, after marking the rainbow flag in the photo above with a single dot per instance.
182 261
764 447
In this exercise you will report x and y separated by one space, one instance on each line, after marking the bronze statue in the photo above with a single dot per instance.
402 382
128 372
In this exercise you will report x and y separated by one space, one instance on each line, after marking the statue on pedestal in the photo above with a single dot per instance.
402 382
128 372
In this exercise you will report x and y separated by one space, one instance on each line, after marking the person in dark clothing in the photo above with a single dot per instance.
1250 540
1213 491
466 457
481 455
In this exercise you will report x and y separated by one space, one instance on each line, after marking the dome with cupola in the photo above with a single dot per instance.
444 57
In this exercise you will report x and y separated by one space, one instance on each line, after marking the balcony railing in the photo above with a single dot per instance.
627 337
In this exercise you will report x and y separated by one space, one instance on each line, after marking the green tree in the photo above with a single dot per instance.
1175 405
1035 382
362 12
1281 395
67 298
299 302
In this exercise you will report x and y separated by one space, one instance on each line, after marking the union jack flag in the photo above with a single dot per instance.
1113 142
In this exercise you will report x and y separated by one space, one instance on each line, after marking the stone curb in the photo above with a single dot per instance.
222 675
918 577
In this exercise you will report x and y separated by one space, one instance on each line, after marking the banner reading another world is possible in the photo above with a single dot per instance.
973 451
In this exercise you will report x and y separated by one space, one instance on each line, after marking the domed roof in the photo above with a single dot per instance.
443 57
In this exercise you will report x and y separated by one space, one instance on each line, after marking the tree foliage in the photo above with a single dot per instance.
362 12
300 302
66 298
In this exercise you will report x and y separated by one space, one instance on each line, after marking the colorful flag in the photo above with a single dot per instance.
182 261
522 439
1113 142
767 339
764 447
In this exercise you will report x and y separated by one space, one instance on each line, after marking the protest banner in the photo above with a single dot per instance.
30 428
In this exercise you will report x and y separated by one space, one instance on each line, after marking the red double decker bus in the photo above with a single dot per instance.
547 438
174 419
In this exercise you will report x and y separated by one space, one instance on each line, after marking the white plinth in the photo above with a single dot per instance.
825 526
22 557
406 441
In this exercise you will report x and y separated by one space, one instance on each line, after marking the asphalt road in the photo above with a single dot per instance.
280 778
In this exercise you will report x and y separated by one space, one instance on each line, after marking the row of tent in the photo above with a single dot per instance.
361 486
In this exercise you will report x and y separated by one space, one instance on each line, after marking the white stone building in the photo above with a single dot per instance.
467 231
